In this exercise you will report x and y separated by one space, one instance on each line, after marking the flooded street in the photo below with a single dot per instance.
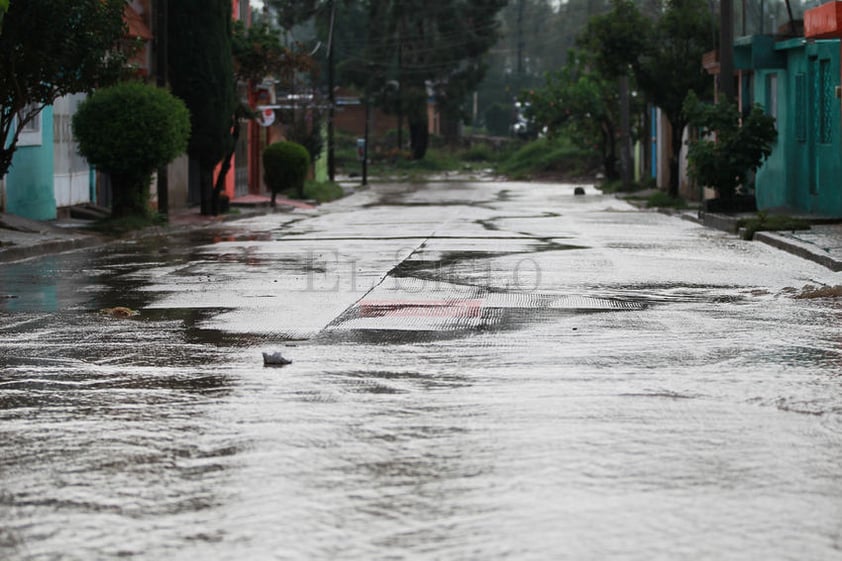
480 371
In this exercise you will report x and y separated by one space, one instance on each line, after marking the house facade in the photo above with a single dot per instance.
47 174
797 80
799 87
27 189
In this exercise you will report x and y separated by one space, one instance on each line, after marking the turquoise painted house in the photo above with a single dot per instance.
29 188
47 173
797 80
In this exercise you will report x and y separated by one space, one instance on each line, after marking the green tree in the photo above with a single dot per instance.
664 57
201 72
4 7
581 103
51 48
671 67
400 52
428 49
728 150
130 130
535 36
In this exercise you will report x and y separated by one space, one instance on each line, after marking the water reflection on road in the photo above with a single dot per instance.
644 389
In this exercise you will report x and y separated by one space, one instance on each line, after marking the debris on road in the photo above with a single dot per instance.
275 359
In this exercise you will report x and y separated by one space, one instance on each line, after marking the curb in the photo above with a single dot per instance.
801 249
19 253
719 222
804 250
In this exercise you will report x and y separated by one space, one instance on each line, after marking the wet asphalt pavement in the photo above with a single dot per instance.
480 371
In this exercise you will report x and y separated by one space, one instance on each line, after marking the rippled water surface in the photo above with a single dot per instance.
480 371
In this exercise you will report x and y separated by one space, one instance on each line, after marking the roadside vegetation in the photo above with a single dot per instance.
514 158
765 222
558 157
322 191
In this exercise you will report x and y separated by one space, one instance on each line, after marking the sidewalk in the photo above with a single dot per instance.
21 238
822 243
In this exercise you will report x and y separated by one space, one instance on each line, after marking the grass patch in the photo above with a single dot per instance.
766 223
322 191
126 224
558 155
660 199
319 191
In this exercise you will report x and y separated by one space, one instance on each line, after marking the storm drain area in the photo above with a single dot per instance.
495 285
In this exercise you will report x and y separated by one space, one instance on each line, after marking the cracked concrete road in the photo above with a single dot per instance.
480 370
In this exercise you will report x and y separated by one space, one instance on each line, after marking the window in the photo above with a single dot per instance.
825 102
30 132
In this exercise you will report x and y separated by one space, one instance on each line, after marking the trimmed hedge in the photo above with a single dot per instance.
285 166
130 130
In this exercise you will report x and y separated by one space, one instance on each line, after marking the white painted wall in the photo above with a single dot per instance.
72 182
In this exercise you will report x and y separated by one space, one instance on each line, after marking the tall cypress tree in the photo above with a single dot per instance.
201 72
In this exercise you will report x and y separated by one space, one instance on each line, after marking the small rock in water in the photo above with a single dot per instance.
275 359
579 191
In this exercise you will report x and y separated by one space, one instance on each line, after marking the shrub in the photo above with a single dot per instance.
726 162
765 222
129 130
285 167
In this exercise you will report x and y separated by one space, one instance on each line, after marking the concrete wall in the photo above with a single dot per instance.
72 184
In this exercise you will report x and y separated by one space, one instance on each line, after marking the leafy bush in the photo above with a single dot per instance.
725 162
130 130
764 222
285 167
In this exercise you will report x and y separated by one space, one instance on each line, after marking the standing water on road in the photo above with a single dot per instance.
480 371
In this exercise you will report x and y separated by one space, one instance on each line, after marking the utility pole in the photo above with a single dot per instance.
331 96
400 96
365 141
520 41
625 134
726 49
161 69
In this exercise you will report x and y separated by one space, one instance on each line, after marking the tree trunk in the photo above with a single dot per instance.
450 128
206 189
129 195
6 155
609 151
419 138
219 187
677 129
